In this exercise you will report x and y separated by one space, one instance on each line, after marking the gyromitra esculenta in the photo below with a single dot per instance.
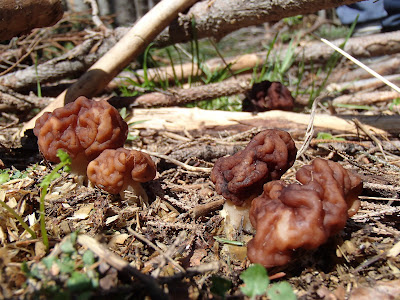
240 177
288 217
120 170
267 95
83 129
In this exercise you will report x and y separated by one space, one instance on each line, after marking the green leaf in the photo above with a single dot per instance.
328 136
48 261
67 247
63 156
79 282
4 177
220 286
88 258
255 280
281 291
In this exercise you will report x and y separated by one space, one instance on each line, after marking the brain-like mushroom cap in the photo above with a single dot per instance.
83 126
114 167
267 156
288 217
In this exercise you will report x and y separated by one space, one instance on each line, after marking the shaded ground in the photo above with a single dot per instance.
172 238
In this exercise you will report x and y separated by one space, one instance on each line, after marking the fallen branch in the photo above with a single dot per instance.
181 96
363 98
14 20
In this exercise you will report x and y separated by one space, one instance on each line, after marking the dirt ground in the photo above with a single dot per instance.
175 243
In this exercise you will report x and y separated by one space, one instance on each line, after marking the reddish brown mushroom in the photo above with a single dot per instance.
120 170
83 129
240 177
267 95
267 156
288 217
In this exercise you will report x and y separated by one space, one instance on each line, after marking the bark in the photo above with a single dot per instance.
217 18
20 17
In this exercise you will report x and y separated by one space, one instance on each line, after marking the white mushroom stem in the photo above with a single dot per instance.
133 191
78 168
236 217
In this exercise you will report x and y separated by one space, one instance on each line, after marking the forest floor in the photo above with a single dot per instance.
176 243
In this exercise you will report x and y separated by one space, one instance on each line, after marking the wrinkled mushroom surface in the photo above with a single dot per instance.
267 156
267 95
116 169
83 127
288 217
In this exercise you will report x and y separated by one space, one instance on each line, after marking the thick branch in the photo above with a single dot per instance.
20 17
220 17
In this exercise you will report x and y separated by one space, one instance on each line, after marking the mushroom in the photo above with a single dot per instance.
121 171
288 217
240 177
83 129
267 95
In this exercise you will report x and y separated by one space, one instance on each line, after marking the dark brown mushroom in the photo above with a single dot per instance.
288 217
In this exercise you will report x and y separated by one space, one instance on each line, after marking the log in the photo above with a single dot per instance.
179 118
366 98
20 17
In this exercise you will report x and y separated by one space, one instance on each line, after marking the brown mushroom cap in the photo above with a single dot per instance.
83 126
288 217
114 167
267 156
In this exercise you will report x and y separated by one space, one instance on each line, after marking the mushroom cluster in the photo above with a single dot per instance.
288 217
285 217
87 130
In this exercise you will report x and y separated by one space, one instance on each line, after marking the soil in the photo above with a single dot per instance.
176 240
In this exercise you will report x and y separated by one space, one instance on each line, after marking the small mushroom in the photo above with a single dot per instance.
267 95
240 177
121 171
83 129
288 217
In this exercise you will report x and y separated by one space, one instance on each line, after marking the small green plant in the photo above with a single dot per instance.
65 161
70 275
328 136
395 102
257 283
220 286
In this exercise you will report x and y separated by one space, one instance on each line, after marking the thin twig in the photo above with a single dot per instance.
176 162
118 263
155 247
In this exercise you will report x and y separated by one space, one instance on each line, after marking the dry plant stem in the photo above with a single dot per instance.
359 63
142 238
193 271
121 265
119 56
310 130
176 162
205 209
370 135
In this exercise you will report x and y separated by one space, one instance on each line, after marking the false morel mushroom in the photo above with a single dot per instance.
240 177
83 129
267 156
288 217
120 170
